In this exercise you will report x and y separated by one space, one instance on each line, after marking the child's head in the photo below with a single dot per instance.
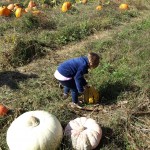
93 59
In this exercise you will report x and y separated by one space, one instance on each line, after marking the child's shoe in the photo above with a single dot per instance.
65 96
74 105
60 86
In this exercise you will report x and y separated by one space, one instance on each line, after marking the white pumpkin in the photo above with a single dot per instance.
84 132
34 130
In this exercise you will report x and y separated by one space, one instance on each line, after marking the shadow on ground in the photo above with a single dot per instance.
107 134
12 78
110 92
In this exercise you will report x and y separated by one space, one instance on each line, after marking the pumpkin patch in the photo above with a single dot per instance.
32 44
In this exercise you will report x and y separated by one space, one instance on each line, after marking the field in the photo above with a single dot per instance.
33 45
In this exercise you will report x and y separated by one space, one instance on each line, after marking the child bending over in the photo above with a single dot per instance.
71 72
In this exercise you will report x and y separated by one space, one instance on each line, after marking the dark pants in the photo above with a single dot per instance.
70 85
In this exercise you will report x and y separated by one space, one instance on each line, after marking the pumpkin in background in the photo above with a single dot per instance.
31 4
34 130
8 0
4 11
123 6
85 133
66 6
83 1
99 7
3 110
19 11
91 95
11 7
16 5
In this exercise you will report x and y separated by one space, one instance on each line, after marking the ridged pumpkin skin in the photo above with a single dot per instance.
4 11
66 6
123 6
34 130
91 95
85 133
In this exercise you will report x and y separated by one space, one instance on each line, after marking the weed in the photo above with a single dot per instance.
24 52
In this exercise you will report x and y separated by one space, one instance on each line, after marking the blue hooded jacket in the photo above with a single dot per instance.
75 68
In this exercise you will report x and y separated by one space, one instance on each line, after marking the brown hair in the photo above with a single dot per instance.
93 59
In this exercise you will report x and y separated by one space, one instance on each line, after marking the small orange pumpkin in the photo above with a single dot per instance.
4 11
10 6
84 1
123 6
31 4
19 11
66 6
3 110
99 7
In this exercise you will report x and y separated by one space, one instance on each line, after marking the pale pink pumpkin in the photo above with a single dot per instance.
85 133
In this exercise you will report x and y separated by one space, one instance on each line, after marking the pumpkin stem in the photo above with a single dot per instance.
82 128
33 121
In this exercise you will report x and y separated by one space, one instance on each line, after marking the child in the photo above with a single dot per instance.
70 74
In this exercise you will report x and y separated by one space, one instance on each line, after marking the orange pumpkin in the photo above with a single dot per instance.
84 1
66 6
10 6
123 6
31 4
99 7
3 110
19 11
4 11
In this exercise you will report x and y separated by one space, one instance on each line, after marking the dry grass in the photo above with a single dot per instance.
124 110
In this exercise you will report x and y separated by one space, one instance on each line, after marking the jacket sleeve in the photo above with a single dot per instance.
79 79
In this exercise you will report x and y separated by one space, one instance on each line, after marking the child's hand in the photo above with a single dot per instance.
87 86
